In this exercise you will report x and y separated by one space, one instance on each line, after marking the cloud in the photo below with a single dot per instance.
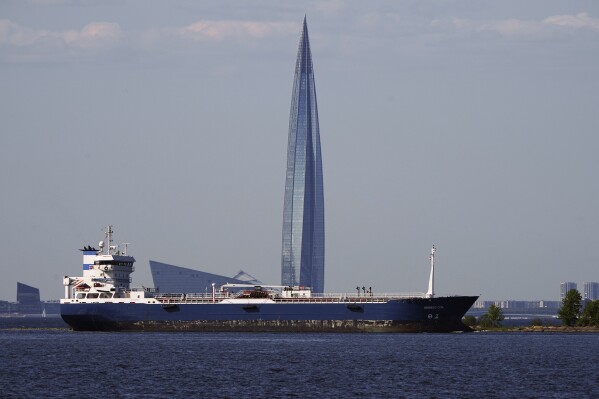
49 2
232 29
22 43
510 28
579 21
518 28
215 31
94 35
330 7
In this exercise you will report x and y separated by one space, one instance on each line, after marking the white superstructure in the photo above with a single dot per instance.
106 273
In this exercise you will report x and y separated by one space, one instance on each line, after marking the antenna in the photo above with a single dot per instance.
431 281
109 232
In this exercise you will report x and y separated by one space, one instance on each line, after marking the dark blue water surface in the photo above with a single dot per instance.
58 363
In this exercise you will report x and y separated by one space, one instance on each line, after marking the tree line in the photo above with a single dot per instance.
572 312
491 319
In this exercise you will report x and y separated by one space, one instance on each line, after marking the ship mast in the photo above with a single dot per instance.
431 281
109 233
111 249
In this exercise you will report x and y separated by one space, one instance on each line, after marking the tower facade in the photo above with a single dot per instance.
590 291
28 298
565 287
302 258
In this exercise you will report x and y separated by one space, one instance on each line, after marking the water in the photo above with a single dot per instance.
57 363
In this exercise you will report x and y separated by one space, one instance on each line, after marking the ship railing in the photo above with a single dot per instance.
108 280
198 295
350 298
206 297
332 300
144 289
313 298
191 297
176 297
370 295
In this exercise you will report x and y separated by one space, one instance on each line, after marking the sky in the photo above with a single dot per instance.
468 124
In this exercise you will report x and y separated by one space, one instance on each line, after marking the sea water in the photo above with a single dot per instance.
59 363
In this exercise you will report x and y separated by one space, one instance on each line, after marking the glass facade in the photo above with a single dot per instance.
591 291
302 257
176 279
28 298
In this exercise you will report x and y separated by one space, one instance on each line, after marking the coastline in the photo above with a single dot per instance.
539 329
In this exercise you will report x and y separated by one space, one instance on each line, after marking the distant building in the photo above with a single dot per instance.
28 299
302 254
590 291
510 304
176 279
248 278
550 304
565 287
7 308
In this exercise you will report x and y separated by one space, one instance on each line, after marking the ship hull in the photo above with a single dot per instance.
441 314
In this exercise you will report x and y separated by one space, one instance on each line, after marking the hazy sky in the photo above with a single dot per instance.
469 124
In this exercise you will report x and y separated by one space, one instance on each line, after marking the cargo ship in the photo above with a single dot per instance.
103 300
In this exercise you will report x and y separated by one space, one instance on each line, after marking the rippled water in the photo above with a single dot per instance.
59 363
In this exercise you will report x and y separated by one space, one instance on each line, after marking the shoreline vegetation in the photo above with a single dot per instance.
576 315
533 329
519 329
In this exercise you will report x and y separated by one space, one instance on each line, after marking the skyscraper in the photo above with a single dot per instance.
591 290
565 287
302 258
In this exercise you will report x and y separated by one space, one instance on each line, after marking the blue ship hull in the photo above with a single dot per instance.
441 314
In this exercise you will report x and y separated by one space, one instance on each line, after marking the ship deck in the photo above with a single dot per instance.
315 298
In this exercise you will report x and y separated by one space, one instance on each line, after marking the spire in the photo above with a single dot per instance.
304 55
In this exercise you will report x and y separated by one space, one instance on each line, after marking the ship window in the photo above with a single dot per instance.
81 295
92 295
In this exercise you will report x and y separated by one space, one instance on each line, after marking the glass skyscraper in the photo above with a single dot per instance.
302 259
